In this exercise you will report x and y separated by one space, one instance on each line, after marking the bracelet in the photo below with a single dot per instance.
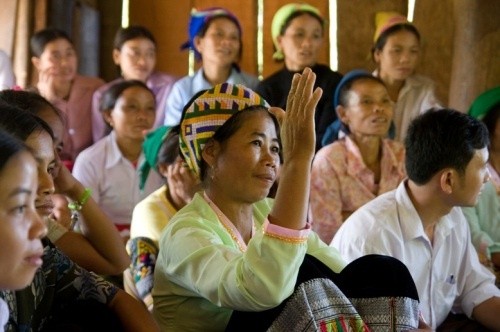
76 206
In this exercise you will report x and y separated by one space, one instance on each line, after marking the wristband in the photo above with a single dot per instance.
76 206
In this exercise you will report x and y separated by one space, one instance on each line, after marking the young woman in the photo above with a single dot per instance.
151 215
55 59
396 52
134 54
215 37
232 249
98 245
110 166
20 226
62 295
297 31
360 166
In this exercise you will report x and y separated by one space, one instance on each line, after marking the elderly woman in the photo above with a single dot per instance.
362 165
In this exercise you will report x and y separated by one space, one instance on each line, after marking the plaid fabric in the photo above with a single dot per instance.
207 113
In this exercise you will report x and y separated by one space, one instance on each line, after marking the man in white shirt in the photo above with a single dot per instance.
421 224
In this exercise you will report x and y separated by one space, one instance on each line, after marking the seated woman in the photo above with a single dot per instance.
55 59
484 218
215 38
134 54
151 215
297 32
20 226
62 296
362 165
97 247
110 166
231 248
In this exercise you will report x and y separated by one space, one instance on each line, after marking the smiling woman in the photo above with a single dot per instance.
129 109
360 166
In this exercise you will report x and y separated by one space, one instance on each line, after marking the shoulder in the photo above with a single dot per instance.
161 78
423 81
88 81
325 72
94 150
331 152
395 146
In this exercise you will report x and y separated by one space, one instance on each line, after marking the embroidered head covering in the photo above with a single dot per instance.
385 20
198 20
280 19
206 113
151 147
484 103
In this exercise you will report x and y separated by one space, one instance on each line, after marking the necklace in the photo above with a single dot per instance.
229 226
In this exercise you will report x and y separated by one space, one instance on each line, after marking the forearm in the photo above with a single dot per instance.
132 314
101 232
488 313
292 197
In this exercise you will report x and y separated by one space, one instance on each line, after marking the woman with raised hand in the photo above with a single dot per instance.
215 38
98 246
134 54
55 59
20 226
297 30
63 295
110 167
364 163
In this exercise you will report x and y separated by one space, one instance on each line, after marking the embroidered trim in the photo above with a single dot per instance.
296 240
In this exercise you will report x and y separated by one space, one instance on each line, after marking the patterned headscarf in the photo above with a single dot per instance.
281 18
198 20
207 113
385 20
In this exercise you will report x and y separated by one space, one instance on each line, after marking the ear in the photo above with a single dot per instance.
107 117
162 169
447 180
376 55
198 44
342 114
36 62
211 152
116 56
279 39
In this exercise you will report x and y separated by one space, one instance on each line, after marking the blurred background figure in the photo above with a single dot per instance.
7 77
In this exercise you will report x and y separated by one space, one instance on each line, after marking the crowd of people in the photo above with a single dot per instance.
305 201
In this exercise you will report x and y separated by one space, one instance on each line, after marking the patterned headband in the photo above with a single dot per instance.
207 113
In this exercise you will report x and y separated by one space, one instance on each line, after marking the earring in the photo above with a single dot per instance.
212 176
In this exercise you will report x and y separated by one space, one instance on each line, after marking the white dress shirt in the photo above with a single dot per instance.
447 274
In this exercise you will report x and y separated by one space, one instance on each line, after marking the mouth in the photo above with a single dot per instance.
380 120
35 259
267 178
44 208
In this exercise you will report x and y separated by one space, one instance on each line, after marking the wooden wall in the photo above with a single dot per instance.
460 38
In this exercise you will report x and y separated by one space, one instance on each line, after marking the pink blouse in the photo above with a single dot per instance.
341 182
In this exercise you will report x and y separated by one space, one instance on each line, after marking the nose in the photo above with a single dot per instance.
45 184
38 227
270 158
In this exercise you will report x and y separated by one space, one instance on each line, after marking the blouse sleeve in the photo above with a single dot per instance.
204 259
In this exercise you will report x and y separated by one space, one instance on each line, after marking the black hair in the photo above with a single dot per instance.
169 150
41 38
440 139
21 123
382 39
123 35
30 101
9 147
491 119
